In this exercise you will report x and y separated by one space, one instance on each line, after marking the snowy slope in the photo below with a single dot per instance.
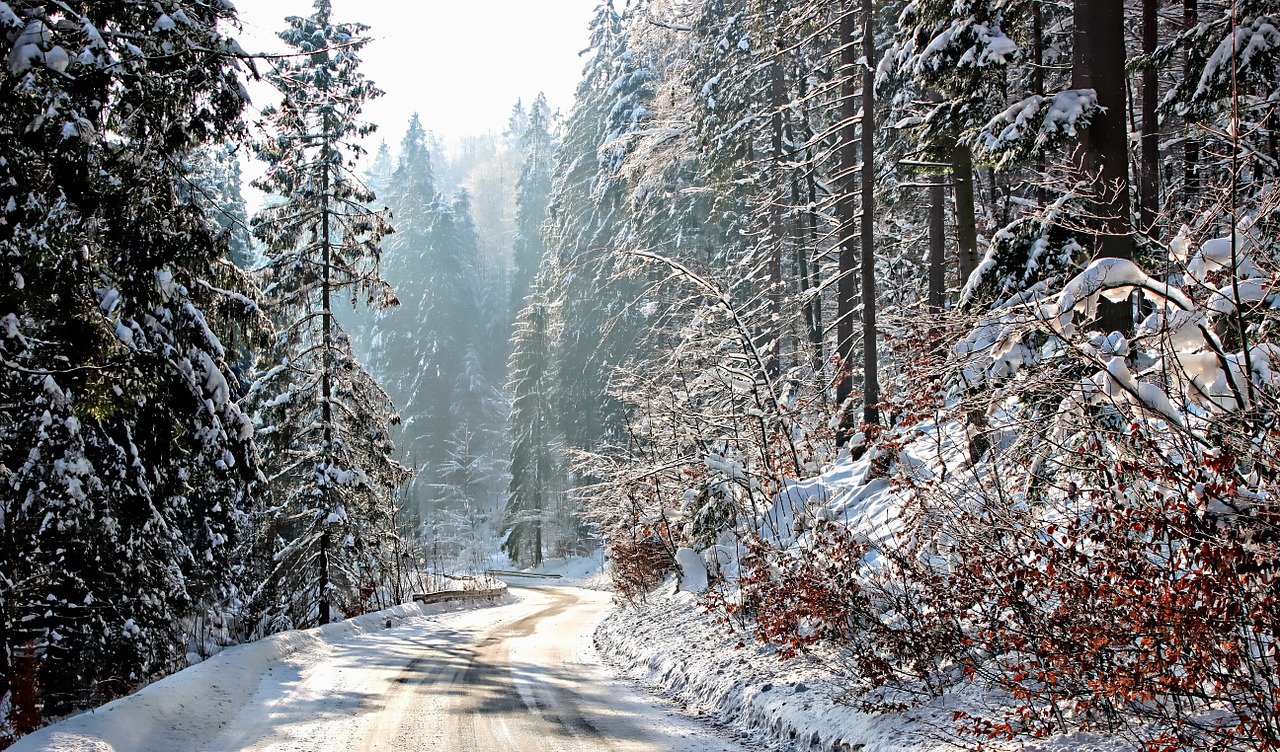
716 670
718 673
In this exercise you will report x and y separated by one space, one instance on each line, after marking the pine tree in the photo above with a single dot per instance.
325 421
123 455
533 466
533 192
216 187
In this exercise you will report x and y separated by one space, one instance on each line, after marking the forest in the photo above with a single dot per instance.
1014 261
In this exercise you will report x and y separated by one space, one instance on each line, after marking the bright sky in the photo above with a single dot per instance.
460 64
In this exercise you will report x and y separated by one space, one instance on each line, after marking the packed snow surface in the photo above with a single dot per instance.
521 675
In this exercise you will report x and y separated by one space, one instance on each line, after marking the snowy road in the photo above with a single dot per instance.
518 677
522 676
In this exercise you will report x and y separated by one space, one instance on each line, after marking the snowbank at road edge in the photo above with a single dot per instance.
670 645
578 571
208 695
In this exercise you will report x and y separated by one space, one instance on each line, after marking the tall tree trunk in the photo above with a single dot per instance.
937 246
966 214
871 379
1098 61
807 225
777 100
323 561
1037 85
1190 147
537 536
1149 194
805 288
846 214
326 371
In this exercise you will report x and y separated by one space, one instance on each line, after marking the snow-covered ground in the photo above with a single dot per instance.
475 675
520 675
714 670
671 645
523 673
197 704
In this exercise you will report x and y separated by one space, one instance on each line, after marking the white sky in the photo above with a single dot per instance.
460 64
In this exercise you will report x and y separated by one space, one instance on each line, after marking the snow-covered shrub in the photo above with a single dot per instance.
1107 559
1123 546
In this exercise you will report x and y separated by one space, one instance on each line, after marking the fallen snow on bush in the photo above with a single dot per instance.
716 672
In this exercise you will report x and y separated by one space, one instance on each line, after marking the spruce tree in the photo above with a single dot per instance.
533 191
216 186
588 218
429 351
325 420
123 455
533 427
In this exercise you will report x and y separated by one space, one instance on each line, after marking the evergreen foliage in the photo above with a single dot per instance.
692 289
324 421
534 483
738 149
124 459
216 186
434 355
533 192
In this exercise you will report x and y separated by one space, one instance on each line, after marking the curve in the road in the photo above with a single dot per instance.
517 677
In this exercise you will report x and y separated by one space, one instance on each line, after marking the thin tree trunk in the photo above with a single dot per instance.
1150 198
326 375
1191 147
937 246
966 219
777 95
801 252
815 332
871 380
1037 86
323 560
807 268
846 213
542 475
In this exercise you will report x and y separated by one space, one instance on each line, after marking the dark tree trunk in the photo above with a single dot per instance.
1150 196
966 213
804 193
812 233
846 214
1104 157
937 246
326 374
1037 84
1191 147
813 330
777 100
871 379
323 560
